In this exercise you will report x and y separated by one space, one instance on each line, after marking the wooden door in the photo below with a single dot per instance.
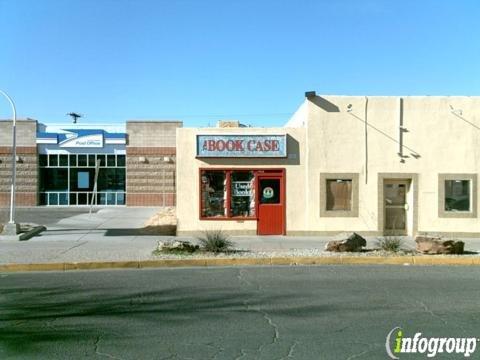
271 205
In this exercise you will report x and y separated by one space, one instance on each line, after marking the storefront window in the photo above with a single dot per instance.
43 160
53 160
457 195
213 193
91 160
63 160
339 194
120 160
73 160
82 160
68 179
242 185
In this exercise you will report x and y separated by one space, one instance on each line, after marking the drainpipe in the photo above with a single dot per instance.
401 129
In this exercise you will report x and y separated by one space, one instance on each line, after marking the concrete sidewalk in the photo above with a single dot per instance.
60 246
112 235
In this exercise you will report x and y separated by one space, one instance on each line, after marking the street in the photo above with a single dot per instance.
317 312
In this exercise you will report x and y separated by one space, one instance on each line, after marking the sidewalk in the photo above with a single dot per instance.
113 235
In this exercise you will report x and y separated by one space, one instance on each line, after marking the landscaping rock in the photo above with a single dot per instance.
436 245
177 246
347 242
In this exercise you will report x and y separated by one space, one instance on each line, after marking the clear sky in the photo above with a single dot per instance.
251 60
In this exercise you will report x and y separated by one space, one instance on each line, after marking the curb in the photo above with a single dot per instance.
211 262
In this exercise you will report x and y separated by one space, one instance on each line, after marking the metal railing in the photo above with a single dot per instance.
79 198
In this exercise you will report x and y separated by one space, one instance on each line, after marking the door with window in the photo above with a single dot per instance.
271 204
395 206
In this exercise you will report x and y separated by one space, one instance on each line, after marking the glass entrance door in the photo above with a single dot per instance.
395 203
81 186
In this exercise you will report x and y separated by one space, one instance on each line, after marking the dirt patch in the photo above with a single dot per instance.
163 222
166 216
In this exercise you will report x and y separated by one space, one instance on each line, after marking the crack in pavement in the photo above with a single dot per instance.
270 322
427 310
96 345
71 248
291 349
372 347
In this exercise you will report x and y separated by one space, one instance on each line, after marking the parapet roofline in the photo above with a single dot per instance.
156 121
401 96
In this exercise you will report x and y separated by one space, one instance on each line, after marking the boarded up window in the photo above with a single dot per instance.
339 194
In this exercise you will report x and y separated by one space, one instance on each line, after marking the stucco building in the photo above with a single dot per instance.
375 165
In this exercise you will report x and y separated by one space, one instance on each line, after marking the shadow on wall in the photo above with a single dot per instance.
324 104
328 106
293 158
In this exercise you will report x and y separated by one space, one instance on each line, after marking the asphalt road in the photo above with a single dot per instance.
324 312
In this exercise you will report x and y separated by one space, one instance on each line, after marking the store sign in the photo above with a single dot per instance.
241 146
242 188
88 141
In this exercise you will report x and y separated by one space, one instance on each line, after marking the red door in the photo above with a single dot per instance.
271 205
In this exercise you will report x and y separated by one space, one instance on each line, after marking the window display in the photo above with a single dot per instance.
242 194
213 193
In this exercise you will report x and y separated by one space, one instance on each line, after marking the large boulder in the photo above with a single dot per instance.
436 245
346 242
177 246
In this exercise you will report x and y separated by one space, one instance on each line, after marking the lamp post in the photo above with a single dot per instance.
12 227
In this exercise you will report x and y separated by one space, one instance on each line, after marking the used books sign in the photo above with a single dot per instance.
271 146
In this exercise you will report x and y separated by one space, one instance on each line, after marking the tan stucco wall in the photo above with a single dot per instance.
188 172
435 141
444 142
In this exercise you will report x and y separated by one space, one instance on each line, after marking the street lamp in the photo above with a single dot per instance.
12 228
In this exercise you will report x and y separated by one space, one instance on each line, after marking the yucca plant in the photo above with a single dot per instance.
215 241
390 243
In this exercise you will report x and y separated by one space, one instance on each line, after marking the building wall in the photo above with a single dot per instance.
360 136
151 161
27 166
436 141
188 167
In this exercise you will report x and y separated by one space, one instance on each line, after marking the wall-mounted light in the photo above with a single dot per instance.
167 159
142 159
349 107
18 159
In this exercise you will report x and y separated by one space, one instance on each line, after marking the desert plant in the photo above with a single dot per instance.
390 243
215 241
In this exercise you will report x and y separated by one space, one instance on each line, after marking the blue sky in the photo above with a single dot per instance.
252 60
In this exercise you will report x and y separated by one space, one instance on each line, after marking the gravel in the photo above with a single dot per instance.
290 253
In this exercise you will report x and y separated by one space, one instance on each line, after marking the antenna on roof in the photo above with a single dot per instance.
75 116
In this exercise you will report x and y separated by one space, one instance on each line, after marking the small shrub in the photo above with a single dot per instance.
390 243
215 241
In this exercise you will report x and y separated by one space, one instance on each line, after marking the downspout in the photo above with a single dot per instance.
400 130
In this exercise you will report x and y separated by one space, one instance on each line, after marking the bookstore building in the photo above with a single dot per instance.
374 165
